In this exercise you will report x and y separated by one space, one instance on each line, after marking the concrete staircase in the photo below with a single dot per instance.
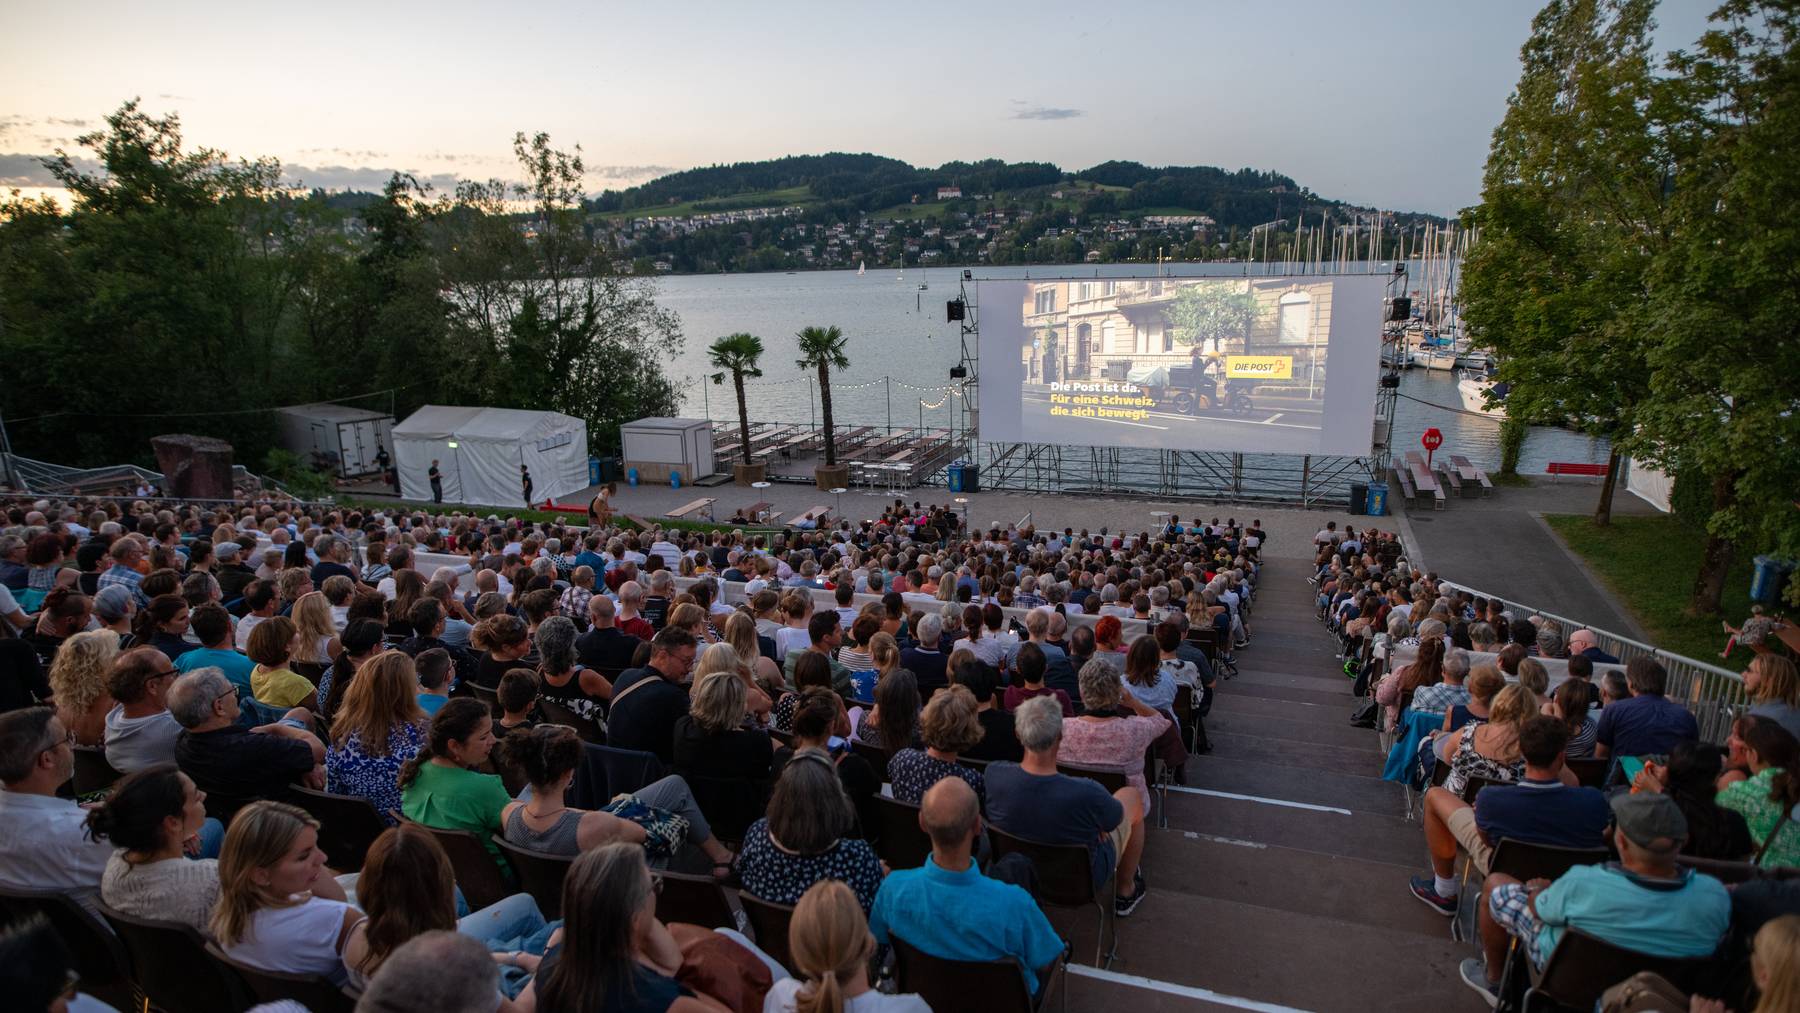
1293 894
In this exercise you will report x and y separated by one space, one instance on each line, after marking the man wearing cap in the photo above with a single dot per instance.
233 575
1642 902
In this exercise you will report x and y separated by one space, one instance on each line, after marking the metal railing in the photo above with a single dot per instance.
1715 695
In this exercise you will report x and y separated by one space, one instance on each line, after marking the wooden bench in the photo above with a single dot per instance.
1403 479
1450 476
773 516
1421 476
754 510
816 514
704 503
1470 473
1575 468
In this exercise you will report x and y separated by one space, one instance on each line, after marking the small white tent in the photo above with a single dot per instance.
479 450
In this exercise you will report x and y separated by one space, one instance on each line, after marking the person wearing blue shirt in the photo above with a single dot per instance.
212 624
1648 724
948 909
1643 902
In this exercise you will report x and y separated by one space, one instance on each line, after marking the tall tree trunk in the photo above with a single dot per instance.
1715 558
737 379
1603 509
825 414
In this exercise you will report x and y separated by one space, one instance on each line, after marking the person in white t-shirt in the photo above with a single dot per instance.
278 910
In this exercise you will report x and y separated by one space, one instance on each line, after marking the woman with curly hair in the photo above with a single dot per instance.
78 679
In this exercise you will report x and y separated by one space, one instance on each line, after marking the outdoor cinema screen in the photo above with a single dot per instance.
1282 365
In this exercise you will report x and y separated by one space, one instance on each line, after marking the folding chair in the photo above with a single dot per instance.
769 924
1066 879
697 900
170 962
540 874
476 872
556 714
348 825
993 986
98 956
903 844
309 990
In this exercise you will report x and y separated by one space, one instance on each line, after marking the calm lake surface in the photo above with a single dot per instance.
901 350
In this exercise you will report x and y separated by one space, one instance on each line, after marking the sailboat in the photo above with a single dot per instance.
859 269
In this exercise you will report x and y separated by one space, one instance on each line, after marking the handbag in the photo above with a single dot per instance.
1644 992
1364 715
664 830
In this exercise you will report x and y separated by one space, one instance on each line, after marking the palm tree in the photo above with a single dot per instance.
822 348
739 353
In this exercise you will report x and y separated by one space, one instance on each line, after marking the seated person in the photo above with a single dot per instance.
604 646
517 697
821 723
1114 730
43 840
156 819
212 625
140 733
545 757
271 681
1647 724
1032 800
893 723
1690 778
949 727
646 702
1030 666
1766 799
1442 697
824 635
811 670
407 889
1643 902
1149 682
948 909
1542 808
434 669
711 740
379 726
802 839
234 764
831 946
278 909
440 786
998 740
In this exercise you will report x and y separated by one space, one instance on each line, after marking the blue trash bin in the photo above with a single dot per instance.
1376 504
674 479
631 477
593 471
955 471
1770 576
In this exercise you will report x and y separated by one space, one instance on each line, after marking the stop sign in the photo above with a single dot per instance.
1431 440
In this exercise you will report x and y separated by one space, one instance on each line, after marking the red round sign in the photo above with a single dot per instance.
1432 439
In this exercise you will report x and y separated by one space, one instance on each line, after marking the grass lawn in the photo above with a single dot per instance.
1649 564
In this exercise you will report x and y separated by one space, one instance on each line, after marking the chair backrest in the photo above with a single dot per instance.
1525 861
170 962
1065 874
627 770
730 804
769 923
348 824
1184 705
697 900
99 957
1473 784
993 986
877 757
476 871
311 671
1589 770
540 874
785 738
556 714
92 772
973 764
1582 967
1111 780
315 993
1737 872
903 844
486 695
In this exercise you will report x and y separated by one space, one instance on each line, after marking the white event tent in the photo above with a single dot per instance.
479 451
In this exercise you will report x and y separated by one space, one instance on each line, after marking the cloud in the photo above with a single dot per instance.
19 169
58 121
1033 112
347 154
175 98
366 178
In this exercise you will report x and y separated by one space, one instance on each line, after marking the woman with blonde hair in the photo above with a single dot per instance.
78 679
829 946
1491 749
377 728
318 634
723 657
278 910
740 633
1773 685
710 739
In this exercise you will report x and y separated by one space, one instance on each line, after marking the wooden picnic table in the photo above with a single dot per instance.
755 510
1471 473
703 503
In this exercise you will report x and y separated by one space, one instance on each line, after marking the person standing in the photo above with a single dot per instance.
437 482
525 480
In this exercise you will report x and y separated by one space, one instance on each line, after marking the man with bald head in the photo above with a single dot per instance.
948 909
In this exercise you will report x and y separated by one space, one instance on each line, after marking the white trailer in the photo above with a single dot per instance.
337 437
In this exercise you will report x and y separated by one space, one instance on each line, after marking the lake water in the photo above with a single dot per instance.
901 350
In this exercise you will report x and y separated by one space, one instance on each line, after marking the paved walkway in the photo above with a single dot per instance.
1281 878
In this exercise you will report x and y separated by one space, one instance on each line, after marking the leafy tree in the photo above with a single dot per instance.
1574 210
1212 313
739 353
822 348
1724 302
